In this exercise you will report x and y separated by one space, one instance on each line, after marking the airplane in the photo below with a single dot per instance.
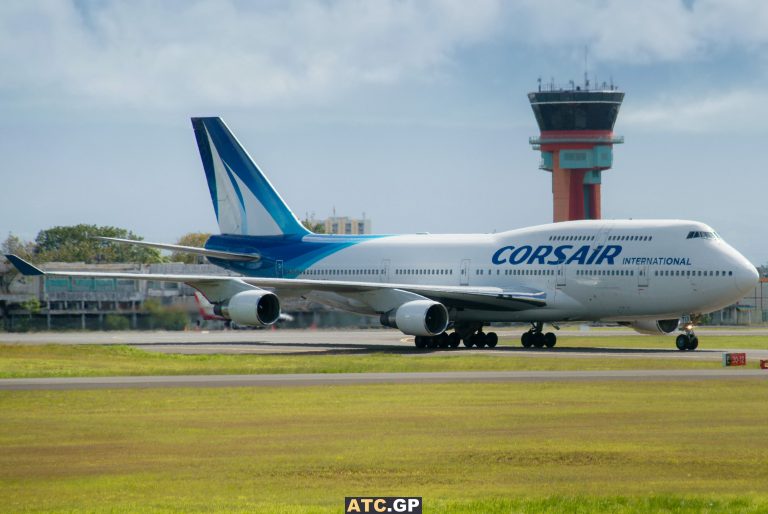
656 276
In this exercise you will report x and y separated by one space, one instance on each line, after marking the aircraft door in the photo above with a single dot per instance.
384 271
560 275
464 273
642 276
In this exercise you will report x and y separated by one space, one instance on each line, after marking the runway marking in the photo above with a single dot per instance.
315 379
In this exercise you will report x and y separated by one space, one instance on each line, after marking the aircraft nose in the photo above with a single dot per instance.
745 277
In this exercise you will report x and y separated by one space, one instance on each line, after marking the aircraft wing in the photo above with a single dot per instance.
489 298
364 297
219 254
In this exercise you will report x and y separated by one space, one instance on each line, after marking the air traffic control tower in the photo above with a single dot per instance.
576 144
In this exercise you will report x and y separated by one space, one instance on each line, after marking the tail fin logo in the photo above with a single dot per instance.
244 201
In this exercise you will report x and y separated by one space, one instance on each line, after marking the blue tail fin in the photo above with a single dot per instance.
244 200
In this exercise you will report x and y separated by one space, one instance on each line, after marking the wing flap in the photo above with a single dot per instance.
490 298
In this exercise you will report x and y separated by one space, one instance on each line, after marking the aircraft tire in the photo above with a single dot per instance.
694 343
550 340
420 342
538 340
454 340
682 342
469 342
491 339
479 339
442 340
527 339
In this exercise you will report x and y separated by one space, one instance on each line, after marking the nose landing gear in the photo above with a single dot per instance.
687 340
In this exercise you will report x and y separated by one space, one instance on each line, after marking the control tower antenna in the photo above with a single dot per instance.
586 68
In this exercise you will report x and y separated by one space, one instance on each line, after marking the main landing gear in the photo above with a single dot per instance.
687 340
471 335
537 338
444 340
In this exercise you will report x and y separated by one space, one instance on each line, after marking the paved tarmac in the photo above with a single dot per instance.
328 379
378 340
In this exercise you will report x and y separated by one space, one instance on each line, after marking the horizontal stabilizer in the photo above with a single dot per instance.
24 267
218 254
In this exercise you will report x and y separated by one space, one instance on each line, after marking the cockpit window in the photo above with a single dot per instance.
694 234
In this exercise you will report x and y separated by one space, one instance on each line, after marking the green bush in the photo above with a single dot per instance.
170 320
116 322
164 318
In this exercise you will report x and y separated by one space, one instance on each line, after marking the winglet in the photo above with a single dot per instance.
24 267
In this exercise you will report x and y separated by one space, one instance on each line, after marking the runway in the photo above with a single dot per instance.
376 340
335 379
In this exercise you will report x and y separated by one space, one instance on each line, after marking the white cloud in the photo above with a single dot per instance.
647 31
238 53
226 52
718 111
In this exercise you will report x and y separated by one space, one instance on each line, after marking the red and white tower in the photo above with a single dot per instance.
576 144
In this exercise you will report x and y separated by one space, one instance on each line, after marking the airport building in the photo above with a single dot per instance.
76 303
345 225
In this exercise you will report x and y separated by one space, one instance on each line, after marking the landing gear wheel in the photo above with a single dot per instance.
550 340
538 340
442 340
683 341
694 343
469 341
491 339
527 339
420 342
454 340
479 339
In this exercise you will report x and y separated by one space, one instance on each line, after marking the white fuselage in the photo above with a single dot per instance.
589 270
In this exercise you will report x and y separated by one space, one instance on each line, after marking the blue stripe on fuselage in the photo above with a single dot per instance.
296 252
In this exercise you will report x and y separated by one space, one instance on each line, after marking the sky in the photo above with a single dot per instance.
413 113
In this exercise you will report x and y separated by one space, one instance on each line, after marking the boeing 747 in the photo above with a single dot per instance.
445 289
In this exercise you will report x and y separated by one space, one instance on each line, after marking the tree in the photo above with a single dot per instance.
78 244
196 239
15 245
313 226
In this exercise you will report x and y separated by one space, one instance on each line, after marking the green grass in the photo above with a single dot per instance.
21 361
706 341
466 448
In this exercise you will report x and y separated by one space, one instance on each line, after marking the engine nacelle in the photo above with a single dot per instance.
256 308
418 318
653 327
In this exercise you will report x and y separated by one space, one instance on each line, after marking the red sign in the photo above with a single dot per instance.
763 364
734 359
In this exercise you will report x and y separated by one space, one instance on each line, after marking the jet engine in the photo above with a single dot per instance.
418 318
653 327
255 308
